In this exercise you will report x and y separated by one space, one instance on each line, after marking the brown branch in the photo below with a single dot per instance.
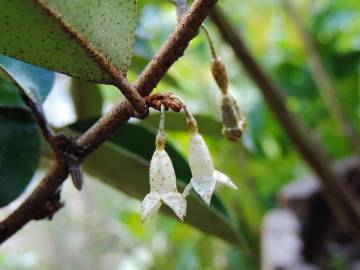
116 75
341 199
64 148
171 50
323 81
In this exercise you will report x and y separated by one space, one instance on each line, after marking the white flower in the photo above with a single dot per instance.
162 180
162 187
204 176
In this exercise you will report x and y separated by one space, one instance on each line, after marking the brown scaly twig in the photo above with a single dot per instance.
170 51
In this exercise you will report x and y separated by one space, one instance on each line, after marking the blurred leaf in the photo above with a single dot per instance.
123 162
177 122
87 99
9 96
19 152
37 82
295 81
138 63
31 35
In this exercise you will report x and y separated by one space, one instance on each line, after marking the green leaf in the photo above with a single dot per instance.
9 96
28 33
35 81
19 152
123 162
87 99
177 122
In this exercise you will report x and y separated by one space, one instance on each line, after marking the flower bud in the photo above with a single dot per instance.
219 73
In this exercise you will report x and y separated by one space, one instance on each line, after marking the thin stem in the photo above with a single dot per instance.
341 199
39 115
35 108
210 41
160 137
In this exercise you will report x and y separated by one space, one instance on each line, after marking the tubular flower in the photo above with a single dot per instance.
204 175
162 182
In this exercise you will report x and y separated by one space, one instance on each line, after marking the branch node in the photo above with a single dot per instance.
167 99
67 150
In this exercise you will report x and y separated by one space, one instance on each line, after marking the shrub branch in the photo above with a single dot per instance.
120 113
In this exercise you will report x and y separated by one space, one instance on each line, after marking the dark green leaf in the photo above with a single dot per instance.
177 122
34 80
19 152
9 96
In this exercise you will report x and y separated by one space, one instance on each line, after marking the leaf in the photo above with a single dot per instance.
87 99
19 152
123 162
177 122
9 96
37 82
30 34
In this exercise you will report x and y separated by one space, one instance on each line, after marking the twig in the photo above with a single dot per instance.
172 49
116 75
323 82
341 199
210 41
63 147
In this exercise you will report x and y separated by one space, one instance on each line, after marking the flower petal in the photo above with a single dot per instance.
162 173
176 202
200 161
150 205
223 179
205 187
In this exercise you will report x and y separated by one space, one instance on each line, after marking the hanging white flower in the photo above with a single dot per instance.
162 182
204 175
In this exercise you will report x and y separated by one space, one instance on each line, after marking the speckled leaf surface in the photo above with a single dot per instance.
19 152
29 34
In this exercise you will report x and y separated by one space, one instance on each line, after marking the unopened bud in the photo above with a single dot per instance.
218 70
234 123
